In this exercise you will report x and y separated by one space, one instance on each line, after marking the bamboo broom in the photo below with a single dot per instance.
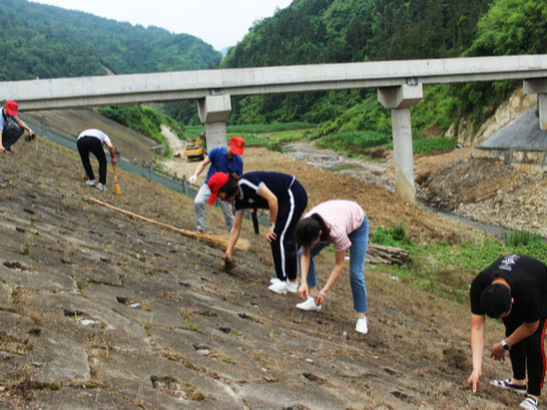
219 242
117 189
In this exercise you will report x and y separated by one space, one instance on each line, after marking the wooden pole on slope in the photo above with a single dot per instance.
219 242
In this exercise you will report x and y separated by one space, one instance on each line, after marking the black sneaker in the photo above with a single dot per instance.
507 384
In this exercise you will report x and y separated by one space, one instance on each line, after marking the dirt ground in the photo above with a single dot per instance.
483 190
478 189
102 310
381 205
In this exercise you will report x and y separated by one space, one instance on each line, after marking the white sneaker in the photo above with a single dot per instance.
529 403
90 182
362 326
309 304
292 287
279 287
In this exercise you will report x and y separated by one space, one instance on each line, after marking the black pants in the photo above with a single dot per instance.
11 134
92 145
291 206
529 354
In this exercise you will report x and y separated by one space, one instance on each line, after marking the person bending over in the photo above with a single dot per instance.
286 200
513 289
92 141
344 224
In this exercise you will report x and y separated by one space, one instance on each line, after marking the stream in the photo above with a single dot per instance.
380 174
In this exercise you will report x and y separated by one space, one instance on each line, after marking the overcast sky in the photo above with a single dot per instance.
221 23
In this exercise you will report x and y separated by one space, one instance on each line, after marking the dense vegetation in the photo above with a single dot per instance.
49 42
39 41
323 31
145 120
332 31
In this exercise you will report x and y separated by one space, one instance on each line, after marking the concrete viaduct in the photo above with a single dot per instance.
399 85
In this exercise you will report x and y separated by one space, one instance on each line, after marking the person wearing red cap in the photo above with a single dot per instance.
286 200
12 128
222 159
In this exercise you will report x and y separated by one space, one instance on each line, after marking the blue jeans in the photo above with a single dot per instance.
357 253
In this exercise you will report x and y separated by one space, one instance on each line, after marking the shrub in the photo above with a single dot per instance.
383 237
516 238
394 236
141 119
398 232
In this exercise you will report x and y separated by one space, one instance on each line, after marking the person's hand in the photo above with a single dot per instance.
303 291
192 179
227 263
320 299
271 235
497 352
474 379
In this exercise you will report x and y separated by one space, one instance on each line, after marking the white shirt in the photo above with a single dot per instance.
95 133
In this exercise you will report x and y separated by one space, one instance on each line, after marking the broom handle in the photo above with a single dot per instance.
208 239
123 211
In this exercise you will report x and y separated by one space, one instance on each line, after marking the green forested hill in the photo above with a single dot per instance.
44 41
334 31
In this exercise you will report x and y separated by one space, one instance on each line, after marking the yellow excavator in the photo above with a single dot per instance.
196 150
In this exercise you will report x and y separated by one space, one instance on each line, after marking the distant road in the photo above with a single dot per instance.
175 143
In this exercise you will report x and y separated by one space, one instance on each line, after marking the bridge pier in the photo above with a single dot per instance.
214 111
399 100
539 87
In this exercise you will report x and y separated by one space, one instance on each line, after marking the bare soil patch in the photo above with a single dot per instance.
483 190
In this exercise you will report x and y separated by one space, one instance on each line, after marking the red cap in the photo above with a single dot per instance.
217 181
237 144
12 107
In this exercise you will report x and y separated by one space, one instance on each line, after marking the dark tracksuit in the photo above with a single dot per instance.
292 200
11 132
527 278
87 144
